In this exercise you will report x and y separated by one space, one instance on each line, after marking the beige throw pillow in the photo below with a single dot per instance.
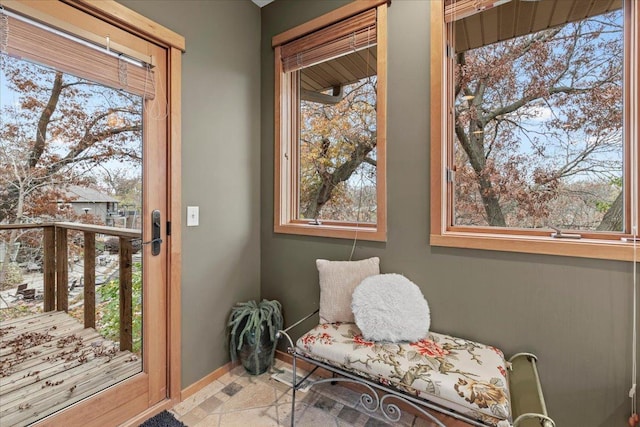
338 279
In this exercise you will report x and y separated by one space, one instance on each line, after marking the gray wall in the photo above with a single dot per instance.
221 142
574 313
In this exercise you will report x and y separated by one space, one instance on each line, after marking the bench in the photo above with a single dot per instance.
25 292
29 294
466 380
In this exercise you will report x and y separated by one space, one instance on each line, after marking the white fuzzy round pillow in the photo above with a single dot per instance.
389 307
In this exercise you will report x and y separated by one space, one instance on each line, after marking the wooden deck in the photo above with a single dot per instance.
49 361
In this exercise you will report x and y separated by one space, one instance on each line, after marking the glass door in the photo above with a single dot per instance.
83 140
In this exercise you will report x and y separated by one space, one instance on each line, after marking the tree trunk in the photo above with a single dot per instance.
491 203
612 220
6 261
331 180
475 152
12 195
44 120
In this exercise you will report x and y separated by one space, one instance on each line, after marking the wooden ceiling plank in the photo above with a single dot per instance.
319 81
308 83
323 76
461 35
507 23
561 13
474 26
336 69
356 68
467 34
602 6
344 68
580 10
490 21
356 64
543 13
526 14
368 65
518 18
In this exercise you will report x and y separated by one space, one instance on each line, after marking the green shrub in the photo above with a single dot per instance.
12 275
109 309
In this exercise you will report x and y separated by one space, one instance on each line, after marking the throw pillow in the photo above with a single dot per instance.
338 279
389 307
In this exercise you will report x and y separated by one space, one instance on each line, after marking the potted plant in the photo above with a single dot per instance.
252 334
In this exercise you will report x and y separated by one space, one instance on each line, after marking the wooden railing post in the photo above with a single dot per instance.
126 308
56 270
62 270
89 279
49 268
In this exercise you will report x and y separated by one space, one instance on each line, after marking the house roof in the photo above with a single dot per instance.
519 17
340 71
78 194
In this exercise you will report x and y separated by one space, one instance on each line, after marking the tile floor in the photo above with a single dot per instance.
238 399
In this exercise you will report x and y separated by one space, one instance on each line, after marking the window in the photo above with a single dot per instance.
534 126
330 142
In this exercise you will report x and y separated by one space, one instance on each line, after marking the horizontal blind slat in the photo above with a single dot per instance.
460 9
348 44
341 38
32 43
332 32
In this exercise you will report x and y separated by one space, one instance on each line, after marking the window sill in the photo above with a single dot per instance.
582 248
361 232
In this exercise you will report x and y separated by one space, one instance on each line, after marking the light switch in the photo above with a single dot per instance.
193 216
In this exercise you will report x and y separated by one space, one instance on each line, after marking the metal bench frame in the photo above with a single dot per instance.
380 397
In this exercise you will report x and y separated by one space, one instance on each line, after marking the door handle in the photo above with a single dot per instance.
155 241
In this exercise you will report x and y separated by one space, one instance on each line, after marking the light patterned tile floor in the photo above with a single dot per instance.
239 399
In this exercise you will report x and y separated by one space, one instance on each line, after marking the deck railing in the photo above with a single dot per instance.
56 270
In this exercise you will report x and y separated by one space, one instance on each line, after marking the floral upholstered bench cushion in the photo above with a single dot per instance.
465 376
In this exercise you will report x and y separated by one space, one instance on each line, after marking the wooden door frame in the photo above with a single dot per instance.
84 413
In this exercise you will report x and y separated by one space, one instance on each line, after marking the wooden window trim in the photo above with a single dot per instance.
591 245
287 127
327 19
125 18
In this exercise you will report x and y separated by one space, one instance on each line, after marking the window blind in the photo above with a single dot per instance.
344 37
455 10
34 43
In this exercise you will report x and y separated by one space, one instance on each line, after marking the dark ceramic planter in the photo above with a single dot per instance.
256 357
